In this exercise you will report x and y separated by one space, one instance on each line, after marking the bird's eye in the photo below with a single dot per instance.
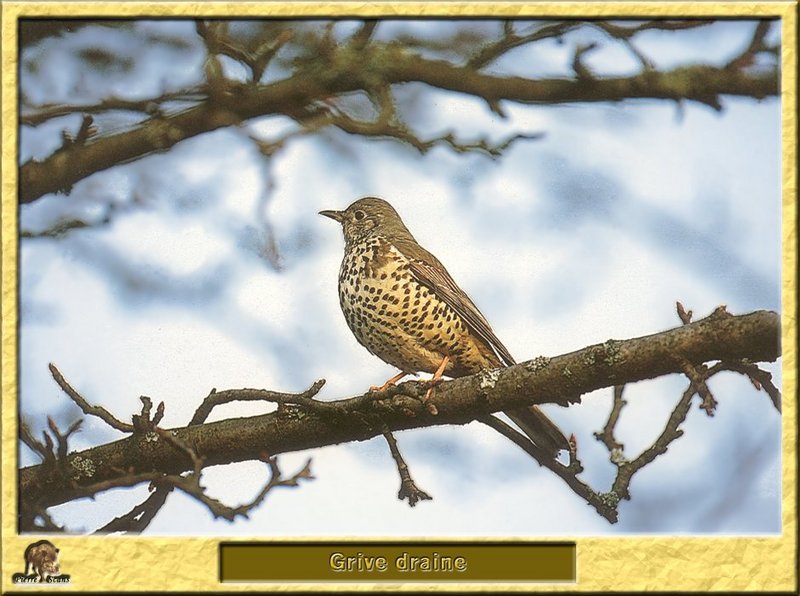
359 215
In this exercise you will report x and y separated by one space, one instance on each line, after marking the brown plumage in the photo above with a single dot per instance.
403 306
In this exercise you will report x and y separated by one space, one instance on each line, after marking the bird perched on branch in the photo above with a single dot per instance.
404 307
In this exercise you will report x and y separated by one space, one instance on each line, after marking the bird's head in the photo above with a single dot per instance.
367 217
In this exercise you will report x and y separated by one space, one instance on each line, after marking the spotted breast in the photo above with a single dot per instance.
403 306
400 320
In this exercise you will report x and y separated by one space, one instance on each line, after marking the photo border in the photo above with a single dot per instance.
682 563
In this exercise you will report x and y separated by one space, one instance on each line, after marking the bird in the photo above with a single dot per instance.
404 307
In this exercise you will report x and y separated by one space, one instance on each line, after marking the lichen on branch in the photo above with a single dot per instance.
301 422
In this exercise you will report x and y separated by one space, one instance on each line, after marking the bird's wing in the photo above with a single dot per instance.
430 272
427 269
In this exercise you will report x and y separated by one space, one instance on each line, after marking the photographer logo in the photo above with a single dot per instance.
41 565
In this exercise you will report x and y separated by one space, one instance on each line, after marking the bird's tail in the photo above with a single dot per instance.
540 429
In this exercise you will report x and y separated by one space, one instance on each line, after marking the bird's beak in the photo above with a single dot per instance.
335 215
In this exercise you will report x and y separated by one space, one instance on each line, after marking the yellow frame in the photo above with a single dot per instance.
608 563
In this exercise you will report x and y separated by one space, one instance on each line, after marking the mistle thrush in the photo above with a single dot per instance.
404 307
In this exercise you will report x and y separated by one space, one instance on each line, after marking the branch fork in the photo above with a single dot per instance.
162 457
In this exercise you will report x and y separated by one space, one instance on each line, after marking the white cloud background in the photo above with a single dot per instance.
592 232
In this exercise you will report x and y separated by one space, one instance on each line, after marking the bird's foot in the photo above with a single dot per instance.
428 394
432 383
435 380
390 383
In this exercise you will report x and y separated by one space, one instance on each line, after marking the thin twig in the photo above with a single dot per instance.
138 518
142 422
62 438
510 40
408 488
190 485
87 408
361 38
671 432
684 315
34 116
604 505
761 379
33 443
698 375
215 36
582 72
381 128
122 481
607 435
305 399
757 45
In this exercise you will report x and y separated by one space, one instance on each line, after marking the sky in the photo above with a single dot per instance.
214 270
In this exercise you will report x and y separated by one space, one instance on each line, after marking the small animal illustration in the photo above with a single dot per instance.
42 557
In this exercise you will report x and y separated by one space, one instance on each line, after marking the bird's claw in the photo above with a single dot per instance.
428 394
388 384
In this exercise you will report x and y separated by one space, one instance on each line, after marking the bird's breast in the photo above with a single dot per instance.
372 279
399 319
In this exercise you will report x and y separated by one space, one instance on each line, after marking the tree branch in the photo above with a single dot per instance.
626 469
510 40
562 380
88 409
569 474
607 435
36 115
408 488
349 69
138 518
217 398
760 379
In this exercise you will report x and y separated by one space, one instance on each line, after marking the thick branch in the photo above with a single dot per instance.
560 380
350 71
